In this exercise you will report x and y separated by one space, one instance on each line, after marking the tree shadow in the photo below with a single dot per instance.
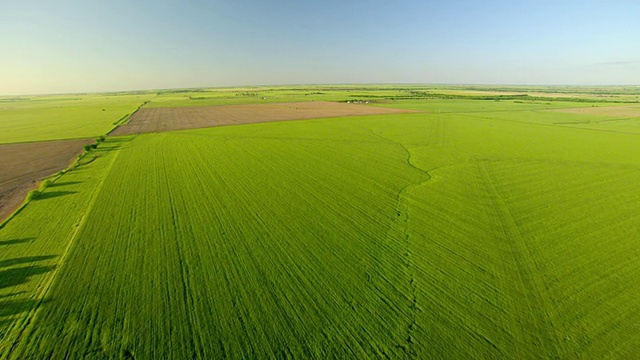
119 139
12 294
10 308
86 161
13 307
16 241
107 148
54 194
19 302
26 259
64 183
17 276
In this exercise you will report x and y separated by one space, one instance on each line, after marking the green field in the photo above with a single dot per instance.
39 118
541 96
478 229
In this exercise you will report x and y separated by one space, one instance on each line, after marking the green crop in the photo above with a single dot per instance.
56 117
494 233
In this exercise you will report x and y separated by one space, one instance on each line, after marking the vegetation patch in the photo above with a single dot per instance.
47 118
468 229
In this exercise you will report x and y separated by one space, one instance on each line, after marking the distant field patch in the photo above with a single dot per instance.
616 111
43 118
168 119
24 164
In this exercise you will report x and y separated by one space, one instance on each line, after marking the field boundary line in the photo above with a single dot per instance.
50 140
53 178
28 319
125 119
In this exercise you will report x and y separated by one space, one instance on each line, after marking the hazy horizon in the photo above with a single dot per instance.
77 47
480 87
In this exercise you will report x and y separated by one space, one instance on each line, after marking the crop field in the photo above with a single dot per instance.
41 135
278 94
34 243
39 118
166 119
470 229
384 93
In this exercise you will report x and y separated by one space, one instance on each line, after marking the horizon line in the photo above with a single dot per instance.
322 84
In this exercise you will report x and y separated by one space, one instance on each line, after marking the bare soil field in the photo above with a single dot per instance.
168 119
23 165
617 111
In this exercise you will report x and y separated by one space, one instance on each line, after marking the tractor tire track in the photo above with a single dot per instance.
538 300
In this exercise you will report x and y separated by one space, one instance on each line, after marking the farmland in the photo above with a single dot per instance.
467 229
166 119
41 135
40 118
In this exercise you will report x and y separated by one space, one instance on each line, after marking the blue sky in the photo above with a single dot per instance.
95 45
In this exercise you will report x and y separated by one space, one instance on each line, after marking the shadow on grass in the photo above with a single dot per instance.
16 303
24 260
64 183
16 241
21 275
107 148
113 140
54 194
119 139
12 276
10 308
14 307
86 161
11 295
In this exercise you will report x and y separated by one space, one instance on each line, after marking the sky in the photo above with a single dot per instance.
69 46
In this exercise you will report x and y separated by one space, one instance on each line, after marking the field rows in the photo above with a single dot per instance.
56 117
34 243
259 262
402 236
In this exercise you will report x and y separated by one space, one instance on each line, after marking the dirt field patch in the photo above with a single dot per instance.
167 119
23 165
614 111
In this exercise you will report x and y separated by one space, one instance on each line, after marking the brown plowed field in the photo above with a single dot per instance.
23 165
167 119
